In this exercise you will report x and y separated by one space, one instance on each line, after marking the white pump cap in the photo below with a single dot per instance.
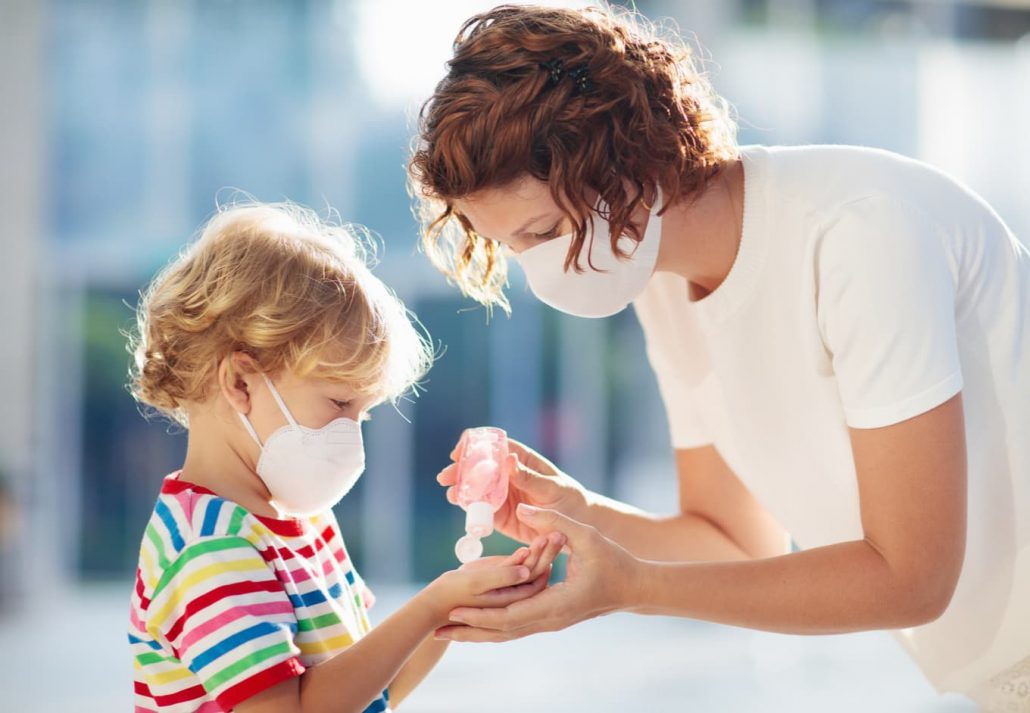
468 548
479 519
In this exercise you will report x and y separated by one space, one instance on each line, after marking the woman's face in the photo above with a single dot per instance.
519 215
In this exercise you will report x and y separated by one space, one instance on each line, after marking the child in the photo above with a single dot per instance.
270 340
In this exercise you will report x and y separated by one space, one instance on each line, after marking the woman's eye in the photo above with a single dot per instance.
552 233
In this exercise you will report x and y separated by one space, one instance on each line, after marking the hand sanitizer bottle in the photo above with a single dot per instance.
481 486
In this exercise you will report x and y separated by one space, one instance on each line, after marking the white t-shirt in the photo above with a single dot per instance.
867 289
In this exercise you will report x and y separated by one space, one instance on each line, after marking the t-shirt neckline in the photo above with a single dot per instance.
289 527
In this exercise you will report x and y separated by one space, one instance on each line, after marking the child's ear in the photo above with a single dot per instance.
236 376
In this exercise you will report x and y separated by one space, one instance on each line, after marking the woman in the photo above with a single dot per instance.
841 337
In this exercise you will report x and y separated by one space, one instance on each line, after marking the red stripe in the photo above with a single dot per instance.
210 597
192 693
282 671
143 601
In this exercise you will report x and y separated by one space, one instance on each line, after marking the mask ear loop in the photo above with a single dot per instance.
282 407
279 400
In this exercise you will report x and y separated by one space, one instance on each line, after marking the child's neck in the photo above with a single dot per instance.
214 462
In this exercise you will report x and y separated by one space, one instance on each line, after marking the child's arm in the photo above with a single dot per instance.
542 552
350 680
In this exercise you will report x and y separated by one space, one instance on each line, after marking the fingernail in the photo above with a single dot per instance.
457 619
523 574
528 510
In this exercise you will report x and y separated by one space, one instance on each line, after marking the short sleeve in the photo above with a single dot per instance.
886 304
225 615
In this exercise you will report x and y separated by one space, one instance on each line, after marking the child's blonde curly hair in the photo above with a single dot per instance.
280 284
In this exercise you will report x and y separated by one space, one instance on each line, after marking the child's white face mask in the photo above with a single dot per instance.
308 470
593 293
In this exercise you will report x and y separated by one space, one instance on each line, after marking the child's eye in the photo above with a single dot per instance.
340 404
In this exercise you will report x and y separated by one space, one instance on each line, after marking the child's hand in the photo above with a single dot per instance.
495 581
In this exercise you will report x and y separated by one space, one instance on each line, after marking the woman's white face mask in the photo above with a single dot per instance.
599 292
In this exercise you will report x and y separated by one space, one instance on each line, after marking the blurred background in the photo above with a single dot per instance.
123 121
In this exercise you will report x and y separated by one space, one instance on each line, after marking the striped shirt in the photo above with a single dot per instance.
228 603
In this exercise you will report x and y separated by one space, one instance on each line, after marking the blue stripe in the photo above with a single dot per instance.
136 640
315 596
307 600
377 706
238 639
173 530
214 508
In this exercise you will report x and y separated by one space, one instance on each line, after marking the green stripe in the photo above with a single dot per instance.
196 549
153 657
318 622
162 559
237 520
257 657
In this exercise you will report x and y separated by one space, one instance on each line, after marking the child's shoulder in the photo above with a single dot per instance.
187 516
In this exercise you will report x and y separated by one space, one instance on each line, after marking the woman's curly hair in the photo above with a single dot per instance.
515 103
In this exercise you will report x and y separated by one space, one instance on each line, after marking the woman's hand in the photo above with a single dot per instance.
534 480
601 578
495 581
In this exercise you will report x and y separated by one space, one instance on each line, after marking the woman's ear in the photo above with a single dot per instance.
237 375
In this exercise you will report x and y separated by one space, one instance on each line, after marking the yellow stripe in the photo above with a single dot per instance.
149 578
176 674
325 646
182 588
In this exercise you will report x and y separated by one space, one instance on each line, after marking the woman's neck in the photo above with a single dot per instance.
700 237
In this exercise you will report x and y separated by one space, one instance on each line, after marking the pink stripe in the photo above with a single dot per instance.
298 575
210 707
227 617
136 621
141 709
188 501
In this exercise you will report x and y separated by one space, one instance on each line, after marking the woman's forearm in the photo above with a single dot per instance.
416 669
686 537
827 590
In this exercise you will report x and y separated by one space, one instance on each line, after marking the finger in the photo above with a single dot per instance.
536 485
519 556
454 453
452 496
531 458
543 520
498 577
535 548
469 635
448 476
509 595
552 548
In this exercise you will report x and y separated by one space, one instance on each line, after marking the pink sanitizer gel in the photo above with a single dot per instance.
481 486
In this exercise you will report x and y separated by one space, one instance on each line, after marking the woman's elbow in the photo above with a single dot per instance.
927 598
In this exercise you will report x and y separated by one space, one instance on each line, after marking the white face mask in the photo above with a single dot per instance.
308 470
593 293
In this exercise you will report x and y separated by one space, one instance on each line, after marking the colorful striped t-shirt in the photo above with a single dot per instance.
228 603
